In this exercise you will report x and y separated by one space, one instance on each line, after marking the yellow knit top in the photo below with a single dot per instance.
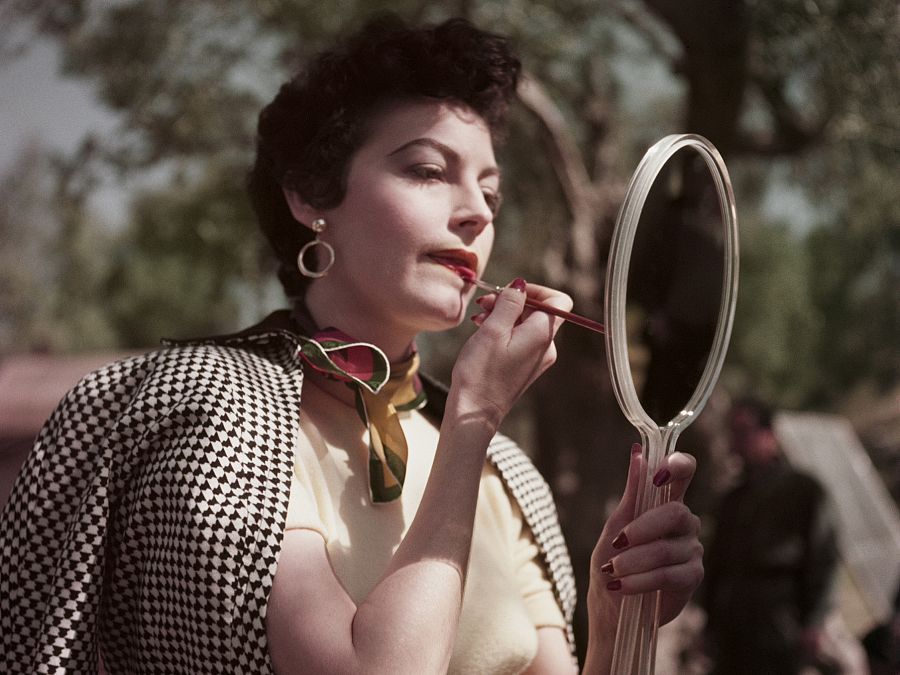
507 595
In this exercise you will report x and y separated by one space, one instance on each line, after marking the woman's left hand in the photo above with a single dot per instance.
657 551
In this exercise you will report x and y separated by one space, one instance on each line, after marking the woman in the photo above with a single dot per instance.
192 512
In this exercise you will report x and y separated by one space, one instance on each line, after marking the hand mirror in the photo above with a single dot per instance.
671 288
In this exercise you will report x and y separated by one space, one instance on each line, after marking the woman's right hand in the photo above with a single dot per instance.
512 347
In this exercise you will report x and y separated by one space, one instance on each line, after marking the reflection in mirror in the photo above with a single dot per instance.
675 285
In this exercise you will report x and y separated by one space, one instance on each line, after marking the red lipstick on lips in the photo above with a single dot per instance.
465 274
464 263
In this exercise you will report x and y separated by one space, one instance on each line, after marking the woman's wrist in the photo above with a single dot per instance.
475 415
603 619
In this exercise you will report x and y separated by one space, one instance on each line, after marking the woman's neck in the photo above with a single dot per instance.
397 345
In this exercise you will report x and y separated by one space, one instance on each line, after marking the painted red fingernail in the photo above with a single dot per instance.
477 319
614 585
661 478
519 284
621 541
607 568
636 449
479 301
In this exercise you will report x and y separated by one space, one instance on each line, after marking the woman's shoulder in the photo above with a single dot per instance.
113 382
260 358
272 340
263 350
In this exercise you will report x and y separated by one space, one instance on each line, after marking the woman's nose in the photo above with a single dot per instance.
472 211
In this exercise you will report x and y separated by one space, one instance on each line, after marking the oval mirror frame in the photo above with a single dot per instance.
617 280
635 645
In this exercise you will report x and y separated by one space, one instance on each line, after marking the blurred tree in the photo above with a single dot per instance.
779 322
54 260
192 262
24 230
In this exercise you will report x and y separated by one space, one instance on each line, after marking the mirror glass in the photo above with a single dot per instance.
675 283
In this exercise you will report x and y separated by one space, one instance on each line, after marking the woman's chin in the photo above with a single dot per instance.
446 321
445 315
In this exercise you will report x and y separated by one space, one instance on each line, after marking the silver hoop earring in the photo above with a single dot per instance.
317 226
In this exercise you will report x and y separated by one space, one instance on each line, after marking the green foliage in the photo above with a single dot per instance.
24 230
856 284
190 259
778 328
837 112
53 261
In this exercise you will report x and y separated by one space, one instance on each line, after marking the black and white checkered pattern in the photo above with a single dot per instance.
149 516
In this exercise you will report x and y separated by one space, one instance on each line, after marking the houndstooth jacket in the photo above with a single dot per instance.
148 518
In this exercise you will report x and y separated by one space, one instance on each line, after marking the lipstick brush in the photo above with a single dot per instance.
549 309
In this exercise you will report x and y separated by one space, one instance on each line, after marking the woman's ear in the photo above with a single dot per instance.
300 209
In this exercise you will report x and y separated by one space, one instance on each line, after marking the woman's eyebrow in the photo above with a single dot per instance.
445 150
430 143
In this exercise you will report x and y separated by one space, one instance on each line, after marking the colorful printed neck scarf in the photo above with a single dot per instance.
380 395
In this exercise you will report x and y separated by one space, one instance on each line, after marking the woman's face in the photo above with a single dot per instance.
418 203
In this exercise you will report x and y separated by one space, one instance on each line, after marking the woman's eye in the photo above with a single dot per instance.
428 171
493 200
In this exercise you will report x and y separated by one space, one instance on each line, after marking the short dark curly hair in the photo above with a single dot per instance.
308 133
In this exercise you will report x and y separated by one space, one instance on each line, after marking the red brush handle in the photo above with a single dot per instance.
577 319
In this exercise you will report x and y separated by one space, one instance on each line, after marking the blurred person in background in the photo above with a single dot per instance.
771 562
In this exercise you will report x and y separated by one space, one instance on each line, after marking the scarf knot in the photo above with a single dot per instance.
381 392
